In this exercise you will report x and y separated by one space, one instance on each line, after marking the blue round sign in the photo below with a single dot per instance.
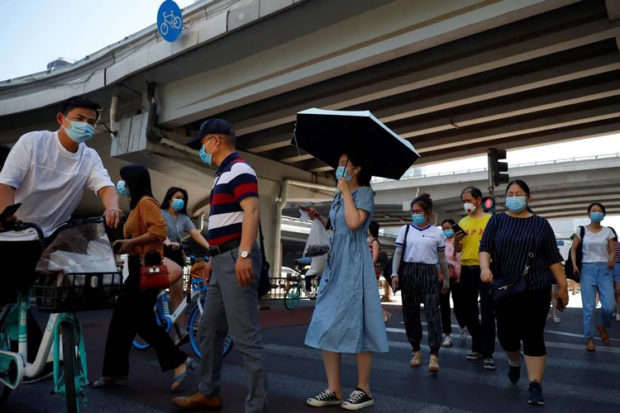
169 20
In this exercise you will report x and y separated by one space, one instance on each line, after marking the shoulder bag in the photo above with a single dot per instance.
568 265
513 283
153 273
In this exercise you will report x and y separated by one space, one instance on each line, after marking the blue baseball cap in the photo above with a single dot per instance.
210 126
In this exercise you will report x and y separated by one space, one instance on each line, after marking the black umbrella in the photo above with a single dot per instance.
327 134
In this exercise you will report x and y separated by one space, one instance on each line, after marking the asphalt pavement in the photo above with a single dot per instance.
575 381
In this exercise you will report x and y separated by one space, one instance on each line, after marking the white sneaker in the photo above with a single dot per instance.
617 316
447 342
463 335
556 320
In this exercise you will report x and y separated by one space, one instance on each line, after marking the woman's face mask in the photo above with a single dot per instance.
122 188
178 204
516 204
596 216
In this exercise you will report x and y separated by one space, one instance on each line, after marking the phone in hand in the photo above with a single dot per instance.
9 212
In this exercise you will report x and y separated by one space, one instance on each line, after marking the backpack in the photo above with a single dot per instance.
568 265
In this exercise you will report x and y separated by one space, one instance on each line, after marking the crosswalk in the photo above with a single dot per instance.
576 381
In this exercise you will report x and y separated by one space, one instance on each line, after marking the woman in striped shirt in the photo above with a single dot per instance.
519 242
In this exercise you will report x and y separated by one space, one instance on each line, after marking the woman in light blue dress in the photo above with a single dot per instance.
347 317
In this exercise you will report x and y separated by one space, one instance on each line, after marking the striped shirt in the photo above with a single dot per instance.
235 181
509 240
617 251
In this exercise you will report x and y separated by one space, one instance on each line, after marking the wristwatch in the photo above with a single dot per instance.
244 254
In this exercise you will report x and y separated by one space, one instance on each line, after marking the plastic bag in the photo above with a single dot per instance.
318 240
317 266
80 249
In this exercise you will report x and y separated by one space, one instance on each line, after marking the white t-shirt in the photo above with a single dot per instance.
422 244
49 180
596 245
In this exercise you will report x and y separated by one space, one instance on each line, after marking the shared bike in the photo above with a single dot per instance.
295 289
167 319
62 342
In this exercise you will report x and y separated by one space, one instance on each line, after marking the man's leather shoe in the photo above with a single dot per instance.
198 402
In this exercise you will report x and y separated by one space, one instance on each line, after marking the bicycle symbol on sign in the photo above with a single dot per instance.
170 20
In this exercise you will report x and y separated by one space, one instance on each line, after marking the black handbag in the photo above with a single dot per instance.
401 266
264 285
511 284
568 265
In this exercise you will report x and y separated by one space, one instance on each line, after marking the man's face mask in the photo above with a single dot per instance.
79 131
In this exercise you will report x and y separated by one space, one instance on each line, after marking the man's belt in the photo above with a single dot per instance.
222 248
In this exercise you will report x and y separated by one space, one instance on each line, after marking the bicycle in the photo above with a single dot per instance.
294 291
62 338
168 320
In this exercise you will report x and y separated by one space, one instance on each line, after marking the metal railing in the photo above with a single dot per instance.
410 174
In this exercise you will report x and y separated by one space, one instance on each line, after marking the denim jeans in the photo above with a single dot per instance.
595 276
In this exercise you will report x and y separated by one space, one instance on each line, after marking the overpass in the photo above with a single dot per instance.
453 77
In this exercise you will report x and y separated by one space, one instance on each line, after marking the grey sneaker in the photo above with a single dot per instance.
324 398
357 400
473 356
489 364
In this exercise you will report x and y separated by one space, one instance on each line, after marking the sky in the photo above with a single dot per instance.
36 32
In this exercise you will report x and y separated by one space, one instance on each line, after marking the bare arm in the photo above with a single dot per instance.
573 253
443 264
249 230
7 196
197 236
485 267
560 276
354 217
112 212
612 254
375 251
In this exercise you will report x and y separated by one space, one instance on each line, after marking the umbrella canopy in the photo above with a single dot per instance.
327 134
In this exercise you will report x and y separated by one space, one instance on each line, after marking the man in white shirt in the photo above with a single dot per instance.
47 173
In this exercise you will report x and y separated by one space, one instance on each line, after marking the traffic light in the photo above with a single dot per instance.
498 167
488 204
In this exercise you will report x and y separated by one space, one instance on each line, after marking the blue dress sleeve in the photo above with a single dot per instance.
365 199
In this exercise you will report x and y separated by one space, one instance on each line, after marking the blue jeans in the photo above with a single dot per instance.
595 276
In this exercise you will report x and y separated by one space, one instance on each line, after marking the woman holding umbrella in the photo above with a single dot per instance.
347 317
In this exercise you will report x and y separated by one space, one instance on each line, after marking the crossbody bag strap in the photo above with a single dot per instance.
402 257
261 240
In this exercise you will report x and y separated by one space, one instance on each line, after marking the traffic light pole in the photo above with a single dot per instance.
491 183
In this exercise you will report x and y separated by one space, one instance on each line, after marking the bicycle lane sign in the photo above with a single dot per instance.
169 21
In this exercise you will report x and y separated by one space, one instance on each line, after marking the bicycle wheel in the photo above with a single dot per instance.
69 367
292 296
192 326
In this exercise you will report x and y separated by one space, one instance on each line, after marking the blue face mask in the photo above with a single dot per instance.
205 156
516 204
597 216
79 131
341 171
178 204
418 219
121 188
448 233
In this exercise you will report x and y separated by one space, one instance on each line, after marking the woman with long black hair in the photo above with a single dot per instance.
178 223
519 245
144 231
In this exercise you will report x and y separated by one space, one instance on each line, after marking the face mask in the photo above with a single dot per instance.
178 204
597 216
418 219
205 156
121 188
516 204
342 172
79 131
448 233
469 207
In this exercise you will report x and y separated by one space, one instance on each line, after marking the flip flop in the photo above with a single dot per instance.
178 379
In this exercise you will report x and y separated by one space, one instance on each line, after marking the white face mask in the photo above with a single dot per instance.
469 207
